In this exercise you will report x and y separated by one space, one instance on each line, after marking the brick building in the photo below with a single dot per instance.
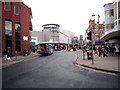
16 24
98 30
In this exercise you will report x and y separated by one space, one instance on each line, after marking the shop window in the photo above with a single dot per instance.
17 10
8 36
17 32
7 5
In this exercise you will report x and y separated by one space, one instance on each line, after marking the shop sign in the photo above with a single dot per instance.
25 38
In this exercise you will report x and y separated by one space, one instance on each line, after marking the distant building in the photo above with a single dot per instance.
98 30
63 38
51 33
70 34
16 27
112 23
36 37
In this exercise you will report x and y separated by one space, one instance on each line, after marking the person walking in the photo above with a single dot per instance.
100 51
5 54
25 52
114 50
104 52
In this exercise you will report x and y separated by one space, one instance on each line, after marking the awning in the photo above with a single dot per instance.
111 34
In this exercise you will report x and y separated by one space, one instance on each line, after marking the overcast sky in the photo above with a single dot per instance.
72 15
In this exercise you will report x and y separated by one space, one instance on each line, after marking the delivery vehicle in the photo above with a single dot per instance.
45 49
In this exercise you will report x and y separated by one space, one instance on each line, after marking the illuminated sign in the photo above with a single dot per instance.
25 38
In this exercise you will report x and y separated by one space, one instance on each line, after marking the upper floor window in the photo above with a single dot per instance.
17 10
115 10
119 10
111 13
8 28
7 5
17 27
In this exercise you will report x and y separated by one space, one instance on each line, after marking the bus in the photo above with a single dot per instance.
45 49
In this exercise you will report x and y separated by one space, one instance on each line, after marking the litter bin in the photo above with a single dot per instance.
89 55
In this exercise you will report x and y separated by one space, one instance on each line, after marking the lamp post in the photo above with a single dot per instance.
98 26
98 35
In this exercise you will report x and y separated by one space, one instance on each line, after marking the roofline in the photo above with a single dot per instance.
52 24
108 4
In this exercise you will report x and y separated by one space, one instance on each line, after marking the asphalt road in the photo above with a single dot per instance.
55 71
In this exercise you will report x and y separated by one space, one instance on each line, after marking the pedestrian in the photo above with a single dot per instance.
25 52
106 48
114 50
5 54
104 52
99 51
74 49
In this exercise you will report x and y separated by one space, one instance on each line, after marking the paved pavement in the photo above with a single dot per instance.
6 63
109 64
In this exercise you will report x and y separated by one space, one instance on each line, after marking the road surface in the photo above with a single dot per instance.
55 71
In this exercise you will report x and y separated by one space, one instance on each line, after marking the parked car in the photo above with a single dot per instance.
45 49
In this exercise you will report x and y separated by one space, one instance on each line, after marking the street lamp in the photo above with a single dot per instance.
98 25
98 35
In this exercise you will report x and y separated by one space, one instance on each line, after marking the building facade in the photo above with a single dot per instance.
112 21
36 37
16 27
51 33
98 30
70 34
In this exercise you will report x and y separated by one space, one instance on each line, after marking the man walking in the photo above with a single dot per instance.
5 54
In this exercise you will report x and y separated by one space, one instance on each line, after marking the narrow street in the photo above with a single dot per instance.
55 71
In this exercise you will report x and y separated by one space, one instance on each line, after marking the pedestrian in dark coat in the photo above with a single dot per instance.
100 51
25 52
5 54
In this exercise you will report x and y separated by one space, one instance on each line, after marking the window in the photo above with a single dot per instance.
107 14
17 10
115 24
119 10
17 32
119 22
7 5
8 28
115 8
111 13
8 35
17 27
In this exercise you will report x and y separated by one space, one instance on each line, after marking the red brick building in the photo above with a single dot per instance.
16 24
98 30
